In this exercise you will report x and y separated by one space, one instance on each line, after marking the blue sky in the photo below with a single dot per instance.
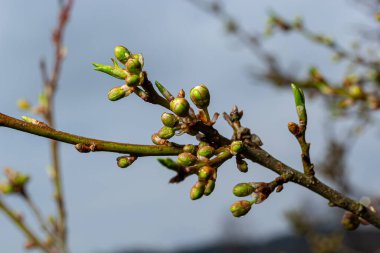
111 208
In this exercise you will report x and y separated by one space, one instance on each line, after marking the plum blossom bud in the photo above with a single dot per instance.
180 107
122 54
240 208
200 96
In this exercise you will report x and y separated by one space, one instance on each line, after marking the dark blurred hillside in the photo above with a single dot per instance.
354 242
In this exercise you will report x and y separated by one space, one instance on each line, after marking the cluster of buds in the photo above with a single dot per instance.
132 72
15 182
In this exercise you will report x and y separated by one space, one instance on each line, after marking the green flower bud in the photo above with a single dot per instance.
243 190
209 187
197 190
134 65
190 148
202 144
355 91
236 147
169 163
169 119
206 151
299 99
20 179
116 93
240 208
110 70
166 132
205 173
200 96
132 80
180 107
6 188
125 161
186 159
122 54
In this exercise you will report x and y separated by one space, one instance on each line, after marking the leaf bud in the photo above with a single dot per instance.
190 149
206 151
243 190
169 119
125 161
299 99
122 54
157 140
236 147
209 187
294 128
134 65
166 132
240 208
116 93
169 163
180 107
197 190
200 96
186 159
110 70
205 173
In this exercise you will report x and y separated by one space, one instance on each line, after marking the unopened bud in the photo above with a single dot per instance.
23 104
200 96
243 190
122 54
166 132
186 159
190 148
206 151
132 80
355 92
241 165
125 161
299 99
116 93
157 140
236 147
294 128
209 187
350 221
240 208
197 190
134 65
205 173
169 119
180 107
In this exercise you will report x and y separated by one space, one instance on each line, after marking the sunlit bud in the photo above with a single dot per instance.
299 100
294 128
200 96
125 161
205 173
240 208
169 163
122 54
181 94
23 104
197 190
350 221
242 190
186 159
180 107
190 148
116 93
110 70
166 132
241 165
355 92
169 119
209 187
30 120
134 65
132 80
236 147
206 151
157 140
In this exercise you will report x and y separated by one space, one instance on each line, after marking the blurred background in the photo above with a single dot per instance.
185 43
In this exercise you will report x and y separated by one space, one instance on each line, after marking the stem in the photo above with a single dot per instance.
18 221
97 145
